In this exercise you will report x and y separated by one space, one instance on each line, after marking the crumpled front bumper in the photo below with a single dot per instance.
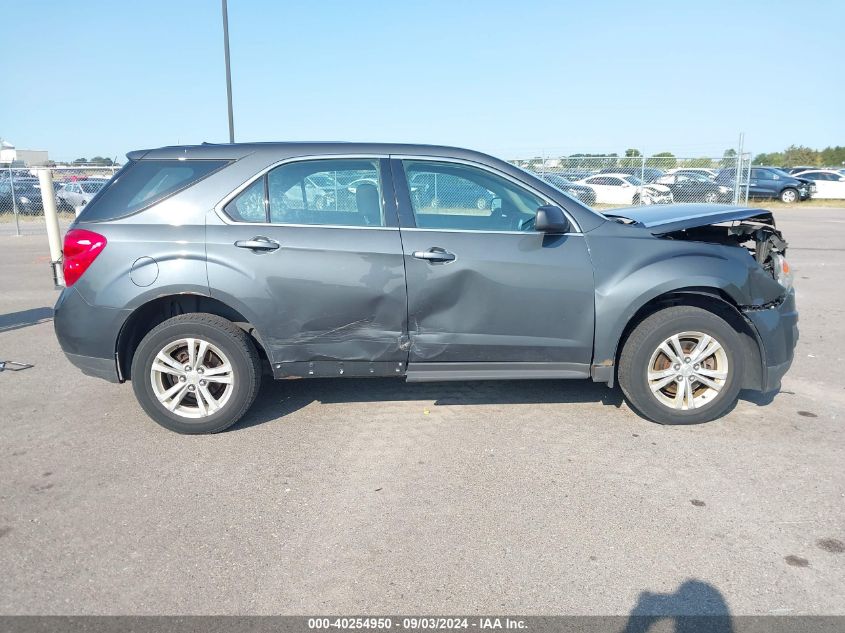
777 330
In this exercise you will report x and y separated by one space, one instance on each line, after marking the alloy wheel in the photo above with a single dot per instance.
192 378
687 370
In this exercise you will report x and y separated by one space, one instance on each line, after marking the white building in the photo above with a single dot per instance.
9 155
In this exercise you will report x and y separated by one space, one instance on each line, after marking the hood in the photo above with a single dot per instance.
677 217
661 188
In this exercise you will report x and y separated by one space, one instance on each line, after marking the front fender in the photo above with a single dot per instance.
630 273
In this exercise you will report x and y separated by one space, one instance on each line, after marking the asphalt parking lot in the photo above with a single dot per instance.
373 496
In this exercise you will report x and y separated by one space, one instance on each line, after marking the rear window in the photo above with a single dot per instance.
142 183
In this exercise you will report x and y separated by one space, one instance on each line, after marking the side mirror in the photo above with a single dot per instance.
550 219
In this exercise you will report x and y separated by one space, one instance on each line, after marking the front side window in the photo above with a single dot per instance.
462 197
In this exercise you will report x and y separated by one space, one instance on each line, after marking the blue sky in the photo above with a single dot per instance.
514 78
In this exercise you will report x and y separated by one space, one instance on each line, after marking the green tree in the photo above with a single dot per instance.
662 160
632 158
80 161
795 155
833 156
728 158
772 158
698 162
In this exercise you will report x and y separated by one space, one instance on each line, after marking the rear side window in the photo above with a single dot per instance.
142 183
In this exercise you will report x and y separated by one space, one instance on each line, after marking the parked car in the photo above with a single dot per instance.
436 190
27 198
169 285
794 170
695 187
78 194
626 189
769 182
649 174
585 194
829 183
703 171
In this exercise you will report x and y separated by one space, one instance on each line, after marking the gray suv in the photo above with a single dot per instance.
198 269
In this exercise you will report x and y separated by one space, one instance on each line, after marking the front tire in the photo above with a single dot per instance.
682 365
789 196
196 373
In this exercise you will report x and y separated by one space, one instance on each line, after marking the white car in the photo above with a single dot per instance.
830 183
626 189
78 194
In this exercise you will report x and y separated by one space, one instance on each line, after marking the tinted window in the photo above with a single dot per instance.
345 192
250 205
143 183
456 196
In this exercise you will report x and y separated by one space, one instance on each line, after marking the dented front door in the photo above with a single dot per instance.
484 287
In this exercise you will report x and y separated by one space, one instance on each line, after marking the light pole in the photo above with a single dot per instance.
228 72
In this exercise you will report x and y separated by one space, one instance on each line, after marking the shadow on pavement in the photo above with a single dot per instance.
24 318
696 607
280 398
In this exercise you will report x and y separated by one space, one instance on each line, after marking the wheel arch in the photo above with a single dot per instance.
713 300
149 314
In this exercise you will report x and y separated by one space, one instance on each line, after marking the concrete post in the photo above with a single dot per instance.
51 217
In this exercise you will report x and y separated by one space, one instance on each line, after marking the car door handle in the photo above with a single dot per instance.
435 255
258 243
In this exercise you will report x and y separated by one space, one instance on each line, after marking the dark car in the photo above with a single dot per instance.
437 190
770 182
199 268
27 198
695 187
649 174
584 193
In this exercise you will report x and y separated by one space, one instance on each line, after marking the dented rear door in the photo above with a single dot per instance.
321 277
487 288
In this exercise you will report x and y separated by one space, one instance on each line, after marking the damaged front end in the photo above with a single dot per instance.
758 235
753 230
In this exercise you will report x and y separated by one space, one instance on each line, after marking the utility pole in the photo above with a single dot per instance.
228 71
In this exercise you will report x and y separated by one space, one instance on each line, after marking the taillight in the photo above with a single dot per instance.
80 250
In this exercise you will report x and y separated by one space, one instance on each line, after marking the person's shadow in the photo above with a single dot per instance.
696 607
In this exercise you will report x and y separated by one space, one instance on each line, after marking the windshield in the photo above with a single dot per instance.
633 180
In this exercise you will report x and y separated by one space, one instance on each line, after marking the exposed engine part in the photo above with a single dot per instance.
758 235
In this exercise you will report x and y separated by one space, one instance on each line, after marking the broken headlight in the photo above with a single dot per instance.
782 272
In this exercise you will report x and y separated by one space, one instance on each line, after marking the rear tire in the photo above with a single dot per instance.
196 373
694 386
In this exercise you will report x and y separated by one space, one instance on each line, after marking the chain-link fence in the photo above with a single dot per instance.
614 181
22 202
603 181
